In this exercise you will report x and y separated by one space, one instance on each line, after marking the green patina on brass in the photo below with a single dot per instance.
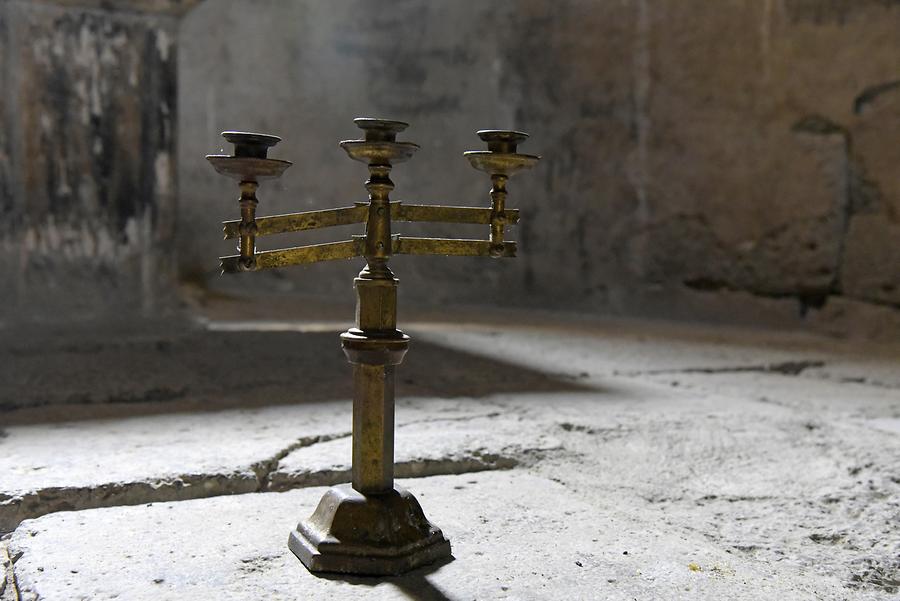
370 526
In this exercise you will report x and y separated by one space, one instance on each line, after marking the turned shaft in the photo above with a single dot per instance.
375 346
248 203
498 213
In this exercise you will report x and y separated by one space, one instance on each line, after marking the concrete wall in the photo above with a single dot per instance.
696 161
736 164
87 167
690 154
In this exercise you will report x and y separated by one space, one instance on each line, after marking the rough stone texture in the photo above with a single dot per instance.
76 371
727 463
871 269
178 394
872 260
693 157
88 163
514 536
8 590
426 447
177 457
175 7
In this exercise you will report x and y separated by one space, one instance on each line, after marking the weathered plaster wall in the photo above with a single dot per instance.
88 168
737 163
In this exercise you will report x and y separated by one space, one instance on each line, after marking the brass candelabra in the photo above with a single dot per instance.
370 526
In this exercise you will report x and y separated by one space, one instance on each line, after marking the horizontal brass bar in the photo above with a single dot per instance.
440 214
297 222
273 259
310 220
449 247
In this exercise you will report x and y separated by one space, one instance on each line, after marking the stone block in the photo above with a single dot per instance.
514 535
871 267
89 192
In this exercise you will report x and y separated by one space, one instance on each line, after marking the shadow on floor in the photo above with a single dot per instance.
414 585
199 370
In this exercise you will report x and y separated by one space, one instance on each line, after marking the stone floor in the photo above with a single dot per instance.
564 459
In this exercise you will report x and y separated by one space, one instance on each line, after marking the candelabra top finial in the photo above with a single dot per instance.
501 157
380 130
380 145
250 160
501 140
247 144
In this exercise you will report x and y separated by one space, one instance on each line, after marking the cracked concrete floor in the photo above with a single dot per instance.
616 460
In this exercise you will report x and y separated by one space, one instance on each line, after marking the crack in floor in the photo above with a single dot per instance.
258 478
786 368
461 418
263 469
416 468
9 590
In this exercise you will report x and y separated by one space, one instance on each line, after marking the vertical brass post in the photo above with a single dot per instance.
373 426
248 164
375 346
498 216
383 347
248 203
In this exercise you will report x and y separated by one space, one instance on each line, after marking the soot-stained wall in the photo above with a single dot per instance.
736 163
88 158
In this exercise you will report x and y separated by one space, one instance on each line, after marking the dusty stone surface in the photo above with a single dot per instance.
5 570
514 536
88 464
677 171
729 464
460 409
78 371
431 446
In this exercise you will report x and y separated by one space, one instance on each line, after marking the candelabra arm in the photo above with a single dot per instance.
452 247
300 255
401 211
298 222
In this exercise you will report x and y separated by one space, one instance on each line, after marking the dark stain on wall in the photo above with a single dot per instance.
95 197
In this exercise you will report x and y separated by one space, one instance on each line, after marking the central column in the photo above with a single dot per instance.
375 346
372 526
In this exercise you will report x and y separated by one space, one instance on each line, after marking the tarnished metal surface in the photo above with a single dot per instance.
311 220
250 161
314 253
298 222
443 214
371 527
451 247
376 535
236 167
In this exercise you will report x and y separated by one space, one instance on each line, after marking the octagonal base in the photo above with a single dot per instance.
379 535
